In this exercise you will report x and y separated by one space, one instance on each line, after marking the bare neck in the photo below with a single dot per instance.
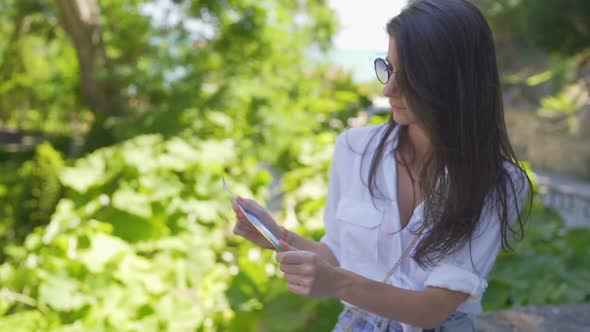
420 143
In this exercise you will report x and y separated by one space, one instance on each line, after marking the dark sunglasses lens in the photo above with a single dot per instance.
381 71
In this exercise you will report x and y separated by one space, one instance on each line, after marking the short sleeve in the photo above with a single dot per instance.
467 269
330 237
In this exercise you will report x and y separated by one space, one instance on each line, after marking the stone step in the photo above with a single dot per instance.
553 318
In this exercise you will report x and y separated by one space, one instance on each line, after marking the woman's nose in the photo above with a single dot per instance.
391 89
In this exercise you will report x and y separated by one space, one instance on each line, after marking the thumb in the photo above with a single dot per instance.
286 246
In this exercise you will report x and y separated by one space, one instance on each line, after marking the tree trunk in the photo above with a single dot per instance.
81 20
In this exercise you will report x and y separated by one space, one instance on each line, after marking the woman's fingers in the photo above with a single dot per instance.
298 280
300 269
243 227
298 289
242 222
236 208
253 207
250 206
294 257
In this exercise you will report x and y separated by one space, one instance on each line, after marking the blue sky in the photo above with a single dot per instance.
362 36
363 23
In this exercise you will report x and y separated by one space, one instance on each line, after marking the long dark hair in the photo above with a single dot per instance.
449 77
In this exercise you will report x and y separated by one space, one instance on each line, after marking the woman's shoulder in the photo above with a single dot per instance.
358 139
516 174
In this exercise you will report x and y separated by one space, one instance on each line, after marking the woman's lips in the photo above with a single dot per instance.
397 107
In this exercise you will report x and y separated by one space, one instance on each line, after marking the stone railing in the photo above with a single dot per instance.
569 196
556 318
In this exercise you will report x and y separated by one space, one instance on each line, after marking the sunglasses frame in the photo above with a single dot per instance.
388 69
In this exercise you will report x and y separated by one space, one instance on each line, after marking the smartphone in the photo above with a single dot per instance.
254 221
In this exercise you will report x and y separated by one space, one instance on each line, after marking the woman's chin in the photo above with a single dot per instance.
400 119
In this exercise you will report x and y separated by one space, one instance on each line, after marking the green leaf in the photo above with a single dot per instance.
204 211
120 304
25 321
217 152
132 227
128 200
138 270
62 293
179 148
88 172
180 311
103 249
160 186
497 295
141 152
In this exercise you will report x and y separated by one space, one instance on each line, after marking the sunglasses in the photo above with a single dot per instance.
383 70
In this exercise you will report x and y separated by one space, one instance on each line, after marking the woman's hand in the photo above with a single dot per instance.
245 229
306 272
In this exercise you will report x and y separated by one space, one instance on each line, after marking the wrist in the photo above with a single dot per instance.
343 280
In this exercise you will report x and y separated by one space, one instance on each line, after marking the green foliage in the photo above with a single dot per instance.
41 189
141 239
11 183
560 104
81 277
557 28
38 70
563 28
550 266
142 242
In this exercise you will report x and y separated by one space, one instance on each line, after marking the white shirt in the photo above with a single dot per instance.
365 236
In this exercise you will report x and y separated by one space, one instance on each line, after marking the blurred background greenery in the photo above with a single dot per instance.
115 129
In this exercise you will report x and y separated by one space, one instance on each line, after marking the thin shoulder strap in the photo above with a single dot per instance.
397 264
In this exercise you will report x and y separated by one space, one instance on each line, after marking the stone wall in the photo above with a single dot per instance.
556 318
549 144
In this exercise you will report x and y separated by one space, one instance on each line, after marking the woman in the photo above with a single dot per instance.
417 208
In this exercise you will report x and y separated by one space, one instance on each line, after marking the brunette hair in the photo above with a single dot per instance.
449 77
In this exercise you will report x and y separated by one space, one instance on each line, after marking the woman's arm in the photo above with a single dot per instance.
309 274
426 309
